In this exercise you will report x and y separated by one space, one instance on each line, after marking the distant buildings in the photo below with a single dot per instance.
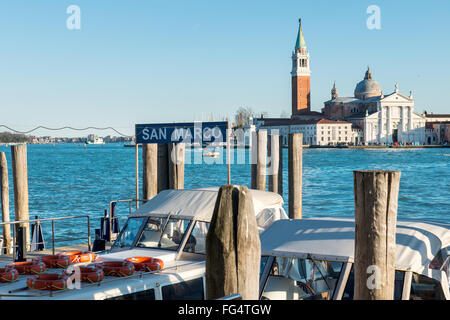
367 118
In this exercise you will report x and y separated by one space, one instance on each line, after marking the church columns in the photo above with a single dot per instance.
388 125
381 126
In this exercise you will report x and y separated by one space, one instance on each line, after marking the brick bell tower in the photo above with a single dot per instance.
301 75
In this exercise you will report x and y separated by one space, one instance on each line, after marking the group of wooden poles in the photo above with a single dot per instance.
20 181
233 252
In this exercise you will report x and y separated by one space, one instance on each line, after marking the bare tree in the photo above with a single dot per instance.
242 116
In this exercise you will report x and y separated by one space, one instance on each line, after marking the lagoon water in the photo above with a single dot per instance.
69 179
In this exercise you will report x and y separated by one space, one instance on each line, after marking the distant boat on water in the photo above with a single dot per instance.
94 140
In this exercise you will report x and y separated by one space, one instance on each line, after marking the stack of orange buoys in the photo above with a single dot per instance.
8 274
117 268
28 267
146 263
79 256
48 281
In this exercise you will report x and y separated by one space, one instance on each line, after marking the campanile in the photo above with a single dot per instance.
301 75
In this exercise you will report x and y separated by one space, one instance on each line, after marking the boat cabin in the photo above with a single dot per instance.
313 259
171 227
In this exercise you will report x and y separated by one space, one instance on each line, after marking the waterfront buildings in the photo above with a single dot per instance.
369 117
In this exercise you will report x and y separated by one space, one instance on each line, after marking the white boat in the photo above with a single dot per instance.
152 231
313 259
95 140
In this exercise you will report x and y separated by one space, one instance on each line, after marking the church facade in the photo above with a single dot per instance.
382 119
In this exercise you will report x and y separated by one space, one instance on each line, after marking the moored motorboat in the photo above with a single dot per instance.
314 258
159 254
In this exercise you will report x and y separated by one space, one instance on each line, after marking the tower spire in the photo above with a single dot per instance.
300 43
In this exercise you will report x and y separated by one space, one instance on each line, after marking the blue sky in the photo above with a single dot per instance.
160 61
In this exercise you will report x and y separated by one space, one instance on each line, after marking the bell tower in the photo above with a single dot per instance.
301 75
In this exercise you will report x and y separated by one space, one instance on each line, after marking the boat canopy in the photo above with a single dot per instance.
198 204
417 243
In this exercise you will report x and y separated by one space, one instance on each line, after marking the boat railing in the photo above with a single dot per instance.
141 274
130 202
15 241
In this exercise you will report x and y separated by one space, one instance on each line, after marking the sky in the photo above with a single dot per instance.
168 61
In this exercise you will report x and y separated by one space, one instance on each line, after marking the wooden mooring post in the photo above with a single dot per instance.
20 179
5 202
295 175
170 163
149 170
376 200
176 165
276 164
259 161
233 247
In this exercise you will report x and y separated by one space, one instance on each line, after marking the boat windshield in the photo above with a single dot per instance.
160 233
302 279
129 232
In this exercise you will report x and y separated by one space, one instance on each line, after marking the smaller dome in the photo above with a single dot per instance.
368 87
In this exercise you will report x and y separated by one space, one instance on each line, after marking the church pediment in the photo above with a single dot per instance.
396 97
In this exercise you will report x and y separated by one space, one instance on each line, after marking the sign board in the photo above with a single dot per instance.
189 132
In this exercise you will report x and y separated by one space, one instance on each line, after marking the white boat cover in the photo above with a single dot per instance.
198 204
417 243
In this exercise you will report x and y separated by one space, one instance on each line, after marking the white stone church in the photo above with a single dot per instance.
378 118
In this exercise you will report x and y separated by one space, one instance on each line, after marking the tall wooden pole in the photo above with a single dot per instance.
20 179
253 157
163 167
376 199
276 168
5 202
233 248
295 175
280 166
261 161
176 152
149 170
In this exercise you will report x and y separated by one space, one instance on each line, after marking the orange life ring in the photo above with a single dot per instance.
79 256
28 267
91 274
55 261
118 268
146 263
8 274
47 281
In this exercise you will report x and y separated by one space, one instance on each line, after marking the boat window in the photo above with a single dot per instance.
424 288
268 215
302 279
129 232
161 233
141 295
187 290
398 286
196 243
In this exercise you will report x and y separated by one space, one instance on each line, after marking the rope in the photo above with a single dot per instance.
62 128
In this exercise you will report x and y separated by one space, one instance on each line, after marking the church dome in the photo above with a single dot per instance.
368 87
